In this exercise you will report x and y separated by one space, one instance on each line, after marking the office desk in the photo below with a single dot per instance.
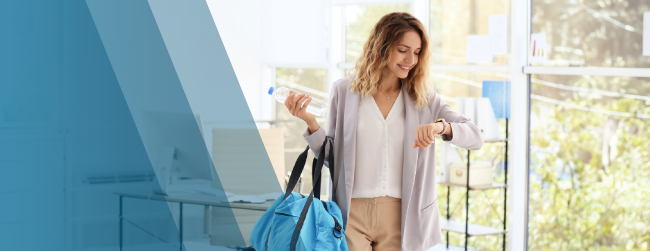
196 199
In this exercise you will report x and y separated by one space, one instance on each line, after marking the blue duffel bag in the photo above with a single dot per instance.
298 223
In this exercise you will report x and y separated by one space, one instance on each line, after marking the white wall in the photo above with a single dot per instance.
238 25
259 35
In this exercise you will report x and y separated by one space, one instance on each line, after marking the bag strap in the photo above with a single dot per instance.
295 173
305 209
315 182
329 163
300 165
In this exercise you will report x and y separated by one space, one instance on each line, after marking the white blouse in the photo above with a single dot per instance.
380 150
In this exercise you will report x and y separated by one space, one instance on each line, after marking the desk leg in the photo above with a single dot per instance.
121 222
181 226
207 213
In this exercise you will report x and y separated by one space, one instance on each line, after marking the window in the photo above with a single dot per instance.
486 206
589 170
303 80
452 21
592 33
450 24
359 20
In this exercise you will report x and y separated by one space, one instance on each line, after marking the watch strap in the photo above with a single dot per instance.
444 126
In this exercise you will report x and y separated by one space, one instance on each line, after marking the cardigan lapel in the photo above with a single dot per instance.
352 100
409 167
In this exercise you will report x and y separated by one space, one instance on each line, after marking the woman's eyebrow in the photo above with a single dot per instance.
408 46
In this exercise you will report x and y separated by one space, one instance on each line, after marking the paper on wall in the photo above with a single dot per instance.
459 105
538 52
480 112
478 49
470 109
646 34
498 25
486 120
465 106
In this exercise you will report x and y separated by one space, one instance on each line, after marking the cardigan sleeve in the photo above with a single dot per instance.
316 139
465 133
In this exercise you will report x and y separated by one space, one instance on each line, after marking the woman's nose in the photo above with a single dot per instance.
409 59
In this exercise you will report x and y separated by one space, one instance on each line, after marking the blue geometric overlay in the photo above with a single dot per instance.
100 147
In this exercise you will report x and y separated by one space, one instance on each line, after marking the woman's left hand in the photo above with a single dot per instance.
425 135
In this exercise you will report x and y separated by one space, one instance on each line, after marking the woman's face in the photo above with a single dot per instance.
404 55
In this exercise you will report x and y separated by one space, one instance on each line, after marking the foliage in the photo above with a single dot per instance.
590 172
604 33
589 168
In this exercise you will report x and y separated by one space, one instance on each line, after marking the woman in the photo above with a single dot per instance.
383 121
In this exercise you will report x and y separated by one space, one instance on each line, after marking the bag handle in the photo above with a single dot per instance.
329 163
318 169
299 166
296 172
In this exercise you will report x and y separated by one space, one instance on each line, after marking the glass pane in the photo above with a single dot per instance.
359 21
451 85
452 21
486 206
590 166
314 83
463 84
592 33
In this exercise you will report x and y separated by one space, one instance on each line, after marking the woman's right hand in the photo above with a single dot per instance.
293 103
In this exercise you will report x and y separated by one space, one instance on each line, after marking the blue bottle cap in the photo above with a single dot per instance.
271 90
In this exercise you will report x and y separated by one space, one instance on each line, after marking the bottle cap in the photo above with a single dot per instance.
271 90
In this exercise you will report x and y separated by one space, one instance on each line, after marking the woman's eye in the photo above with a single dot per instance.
401 51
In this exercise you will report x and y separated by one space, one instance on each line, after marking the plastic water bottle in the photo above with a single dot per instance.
316 107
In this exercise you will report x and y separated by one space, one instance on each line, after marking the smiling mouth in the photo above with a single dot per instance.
404 68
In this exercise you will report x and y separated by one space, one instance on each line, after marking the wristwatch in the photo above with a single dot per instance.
444 125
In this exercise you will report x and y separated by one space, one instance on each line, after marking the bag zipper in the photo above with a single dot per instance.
283 214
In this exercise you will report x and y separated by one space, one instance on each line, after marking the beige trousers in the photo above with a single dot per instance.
375 224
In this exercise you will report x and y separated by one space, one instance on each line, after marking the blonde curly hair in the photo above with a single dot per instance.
376 54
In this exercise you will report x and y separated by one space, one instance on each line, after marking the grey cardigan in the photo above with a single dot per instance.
420 215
